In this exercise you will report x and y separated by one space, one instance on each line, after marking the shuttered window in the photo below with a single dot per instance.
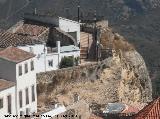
1 103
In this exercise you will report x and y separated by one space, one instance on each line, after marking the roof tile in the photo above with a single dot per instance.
4 84
31 30
15 55
9 39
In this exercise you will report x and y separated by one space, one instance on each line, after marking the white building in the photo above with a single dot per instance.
7 98
18 66
44 23
71 27
45 60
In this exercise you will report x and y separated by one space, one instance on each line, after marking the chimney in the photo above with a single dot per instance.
58 47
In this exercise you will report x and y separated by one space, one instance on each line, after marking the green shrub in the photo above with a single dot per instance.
66 62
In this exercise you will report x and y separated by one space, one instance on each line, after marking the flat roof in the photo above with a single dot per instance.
4 84
69 48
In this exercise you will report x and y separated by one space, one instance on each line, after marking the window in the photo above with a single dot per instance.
33 93
20 70
1 103
20 99
27 111
31 50
9 104
21 113
50 63
27 96
32 65
26 68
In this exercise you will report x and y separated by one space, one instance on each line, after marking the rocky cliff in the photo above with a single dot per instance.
121 78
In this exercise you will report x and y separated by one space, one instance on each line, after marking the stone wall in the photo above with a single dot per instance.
81 73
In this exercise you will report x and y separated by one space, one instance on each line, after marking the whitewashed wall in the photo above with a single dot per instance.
10 72
67 54
41 59
4 110
38 50
42 65
70 26
26 81
55 58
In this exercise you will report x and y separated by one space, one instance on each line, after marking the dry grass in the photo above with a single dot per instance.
115 41
121 44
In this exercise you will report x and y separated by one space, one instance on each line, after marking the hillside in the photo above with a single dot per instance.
137 20
113 10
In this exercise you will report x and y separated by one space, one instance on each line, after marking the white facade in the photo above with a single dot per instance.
52 61
45 61
25 83
70 26
4 96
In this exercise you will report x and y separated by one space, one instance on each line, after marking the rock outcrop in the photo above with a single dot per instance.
121 78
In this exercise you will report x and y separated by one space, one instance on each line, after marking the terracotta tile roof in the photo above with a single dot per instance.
9 39
151 111
4 84
130 109
31 30
15 55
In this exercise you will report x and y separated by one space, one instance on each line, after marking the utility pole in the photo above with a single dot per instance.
95 35
78 13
